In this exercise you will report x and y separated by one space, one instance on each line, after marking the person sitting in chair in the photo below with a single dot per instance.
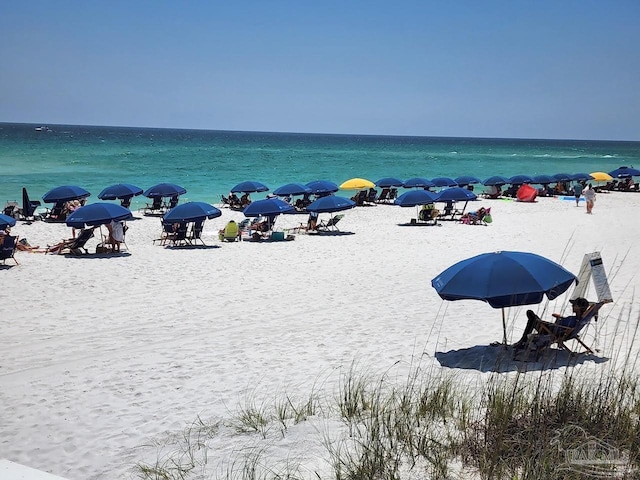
580 306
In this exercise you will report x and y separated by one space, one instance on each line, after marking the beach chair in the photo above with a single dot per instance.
56 214
167 235
74 246
384 196
551 334
29 206
180 237
196 232
329 225
155 208
8 249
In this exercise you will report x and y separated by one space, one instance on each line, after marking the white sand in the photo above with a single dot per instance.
102 357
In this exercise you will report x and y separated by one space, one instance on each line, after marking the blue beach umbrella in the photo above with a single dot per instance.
444 182
520 179
164 190
322 187
250 187
190 212
544 179
503 279
267 207
389 182
330 204
467 180
562 177
99 213
119 191
418 182
455 194
291 189
6 221
624 172
65 193
414 198
581 176
496 180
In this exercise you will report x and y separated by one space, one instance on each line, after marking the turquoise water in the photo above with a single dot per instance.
209 163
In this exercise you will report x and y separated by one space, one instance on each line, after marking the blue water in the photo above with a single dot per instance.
209 163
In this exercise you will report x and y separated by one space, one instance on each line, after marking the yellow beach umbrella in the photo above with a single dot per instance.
357 184
601 176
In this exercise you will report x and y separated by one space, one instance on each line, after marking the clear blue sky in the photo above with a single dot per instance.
510 68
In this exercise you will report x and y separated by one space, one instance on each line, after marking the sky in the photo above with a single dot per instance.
566 69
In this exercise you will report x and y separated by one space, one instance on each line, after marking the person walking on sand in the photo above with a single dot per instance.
577 192
590 197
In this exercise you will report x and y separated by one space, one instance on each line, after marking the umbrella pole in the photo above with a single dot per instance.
504 329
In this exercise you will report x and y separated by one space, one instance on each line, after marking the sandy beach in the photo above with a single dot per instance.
104 358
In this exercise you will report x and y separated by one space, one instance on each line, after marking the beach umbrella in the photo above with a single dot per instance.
388 182
164 190
65 193
562 177
292 189
455 194
504 279
357 184
6 221
415 197
601 176
330 203
99 213
250 187
624 172
119 191
520 179
544 179
496 180
190 212
322 187
444 182
467 180
418 182
267 207
581 176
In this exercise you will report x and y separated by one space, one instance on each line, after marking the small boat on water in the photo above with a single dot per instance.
43 128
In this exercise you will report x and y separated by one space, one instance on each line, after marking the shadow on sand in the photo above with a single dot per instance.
498 359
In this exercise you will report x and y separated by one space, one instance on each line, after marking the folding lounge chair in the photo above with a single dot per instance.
330 224
75 246
196 232
155 208
560 334
8 249
28 206
167 235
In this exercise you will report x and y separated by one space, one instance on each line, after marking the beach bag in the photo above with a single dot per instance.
487 218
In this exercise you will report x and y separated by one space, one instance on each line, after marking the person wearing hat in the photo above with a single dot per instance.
579 306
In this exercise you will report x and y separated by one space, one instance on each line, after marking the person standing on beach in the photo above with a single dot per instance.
590 197
577 192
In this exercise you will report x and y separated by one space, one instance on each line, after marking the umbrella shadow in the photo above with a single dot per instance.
191 247
498 359
337 233
419 224
94 256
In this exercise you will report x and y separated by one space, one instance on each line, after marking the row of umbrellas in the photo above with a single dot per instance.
120 191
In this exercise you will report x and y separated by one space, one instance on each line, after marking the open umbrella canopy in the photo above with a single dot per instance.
191 212
388 182
496 180
467 180
601 176
562 177
503 279
322 187
444 182
455 194
418 182
64 194
292 189
520 179
544 179
581 176
414 198
6 221
164 190
330 203
250 187
267 207
624 172
99 213
357 184
119 191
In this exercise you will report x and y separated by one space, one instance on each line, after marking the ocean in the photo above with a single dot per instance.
209 163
